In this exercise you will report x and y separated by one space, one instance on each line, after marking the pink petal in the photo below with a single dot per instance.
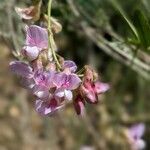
21 69
30 52
91 97
89 93
101 87
37 36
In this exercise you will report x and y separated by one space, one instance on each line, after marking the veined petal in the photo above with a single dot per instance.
31 52
50 78
68 64
40 77
37 36
21 68
60 79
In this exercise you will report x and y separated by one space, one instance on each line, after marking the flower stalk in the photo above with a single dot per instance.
50 37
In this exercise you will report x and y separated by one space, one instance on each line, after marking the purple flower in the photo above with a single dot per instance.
38 81
43 84
47 107
65 83
37 36
135 134
36 40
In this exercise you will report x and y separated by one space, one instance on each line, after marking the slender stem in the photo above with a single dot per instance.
50 39
81 70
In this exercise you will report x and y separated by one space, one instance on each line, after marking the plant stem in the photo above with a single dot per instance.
81 70
50 38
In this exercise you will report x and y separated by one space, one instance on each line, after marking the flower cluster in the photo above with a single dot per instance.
54 87
134 136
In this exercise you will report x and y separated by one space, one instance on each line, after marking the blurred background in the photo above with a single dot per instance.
113 37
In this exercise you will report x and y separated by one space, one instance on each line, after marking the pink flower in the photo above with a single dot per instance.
135 134
91 88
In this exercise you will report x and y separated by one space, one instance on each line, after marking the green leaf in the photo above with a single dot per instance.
143 28
126 18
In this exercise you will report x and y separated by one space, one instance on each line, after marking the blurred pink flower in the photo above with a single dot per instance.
135 134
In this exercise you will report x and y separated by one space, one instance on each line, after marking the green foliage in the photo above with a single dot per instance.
143 28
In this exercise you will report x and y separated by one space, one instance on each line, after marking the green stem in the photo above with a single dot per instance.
50 38
81 70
